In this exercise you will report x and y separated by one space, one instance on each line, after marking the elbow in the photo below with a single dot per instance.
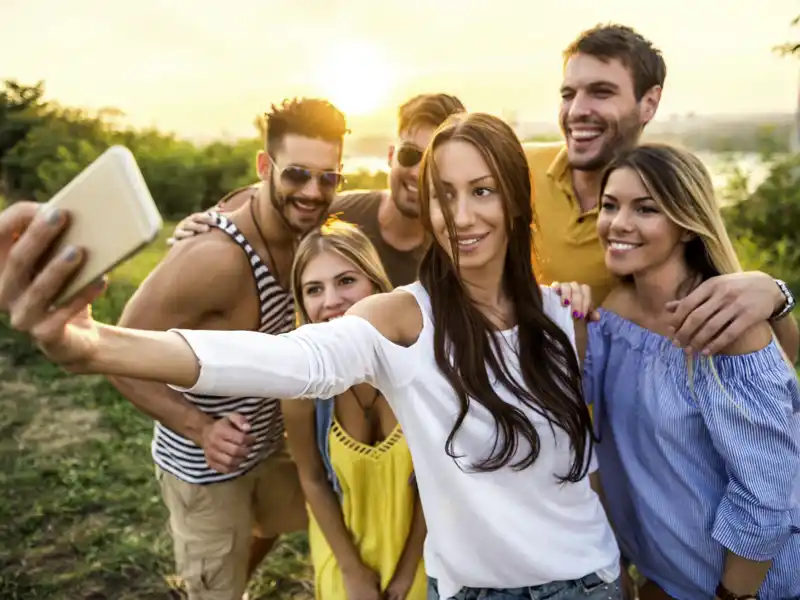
314 482
753 531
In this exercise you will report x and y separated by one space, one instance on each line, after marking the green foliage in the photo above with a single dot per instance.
790 48
766 223
80 512
43 146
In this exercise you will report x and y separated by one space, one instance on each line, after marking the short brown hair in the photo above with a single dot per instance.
623 43
429 110
309 117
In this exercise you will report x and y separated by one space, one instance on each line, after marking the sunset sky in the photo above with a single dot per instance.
206 68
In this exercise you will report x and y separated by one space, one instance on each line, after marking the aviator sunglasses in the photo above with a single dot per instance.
408 156
297 177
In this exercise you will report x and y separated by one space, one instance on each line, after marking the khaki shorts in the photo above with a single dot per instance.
212 525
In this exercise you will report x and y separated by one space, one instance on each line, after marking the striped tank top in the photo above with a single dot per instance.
182 457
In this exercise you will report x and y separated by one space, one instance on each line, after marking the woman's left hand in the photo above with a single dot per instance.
399 586
577 296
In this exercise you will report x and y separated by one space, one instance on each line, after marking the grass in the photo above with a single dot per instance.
80 513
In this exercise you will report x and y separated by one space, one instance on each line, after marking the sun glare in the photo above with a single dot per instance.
355 78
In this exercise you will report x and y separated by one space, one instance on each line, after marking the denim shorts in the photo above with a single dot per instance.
590 587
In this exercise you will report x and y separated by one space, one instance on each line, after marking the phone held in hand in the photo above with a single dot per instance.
112 216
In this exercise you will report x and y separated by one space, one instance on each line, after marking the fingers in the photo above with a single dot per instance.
35 300
227 444
191 226
239 421
686 309
51 328
34 230
576 295
720 333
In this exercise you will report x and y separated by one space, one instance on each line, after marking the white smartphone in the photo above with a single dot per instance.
112 216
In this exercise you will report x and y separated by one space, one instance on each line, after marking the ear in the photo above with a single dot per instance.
390 157
649 104
688 236
263 165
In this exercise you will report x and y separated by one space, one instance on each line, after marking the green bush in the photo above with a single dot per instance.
765 225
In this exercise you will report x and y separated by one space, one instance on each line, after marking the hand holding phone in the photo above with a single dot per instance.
112 217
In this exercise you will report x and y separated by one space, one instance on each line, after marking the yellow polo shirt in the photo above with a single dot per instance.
566 246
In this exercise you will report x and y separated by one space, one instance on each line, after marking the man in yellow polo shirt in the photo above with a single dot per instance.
613 78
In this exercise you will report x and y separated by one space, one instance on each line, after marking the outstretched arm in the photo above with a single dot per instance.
318 360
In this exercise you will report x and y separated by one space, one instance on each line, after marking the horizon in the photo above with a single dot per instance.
195 73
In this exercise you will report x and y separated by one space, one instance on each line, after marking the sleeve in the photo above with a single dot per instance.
594 364
753 422
560 315
316 360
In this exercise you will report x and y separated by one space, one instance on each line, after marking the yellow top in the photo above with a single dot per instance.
565 238
378 507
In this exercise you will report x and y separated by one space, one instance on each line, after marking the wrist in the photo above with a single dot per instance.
198 426
352 567
783 300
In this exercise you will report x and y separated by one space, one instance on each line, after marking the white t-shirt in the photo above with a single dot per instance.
502 529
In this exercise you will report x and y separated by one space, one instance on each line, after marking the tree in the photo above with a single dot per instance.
790 48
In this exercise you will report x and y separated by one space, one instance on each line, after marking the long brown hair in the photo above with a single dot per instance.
465 342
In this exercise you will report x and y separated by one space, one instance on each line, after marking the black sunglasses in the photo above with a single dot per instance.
298 177
408 156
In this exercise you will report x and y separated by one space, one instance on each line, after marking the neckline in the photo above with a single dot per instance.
351 443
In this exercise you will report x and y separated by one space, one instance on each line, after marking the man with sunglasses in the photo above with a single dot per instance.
225 475
390 218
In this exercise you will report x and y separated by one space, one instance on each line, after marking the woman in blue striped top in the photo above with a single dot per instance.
699 455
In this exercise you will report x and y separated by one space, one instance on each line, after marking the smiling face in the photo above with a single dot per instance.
332 284
636 234
471 193
303 177
404 159
600 115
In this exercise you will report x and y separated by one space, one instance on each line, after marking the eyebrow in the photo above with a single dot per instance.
637 199
592 85
341 274
471 181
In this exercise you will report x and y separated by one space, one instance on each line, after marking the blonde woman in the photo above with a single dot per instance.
699 455
366 528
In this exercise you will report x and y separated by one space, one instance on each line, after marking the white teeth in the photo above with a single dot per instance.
621 246
585 134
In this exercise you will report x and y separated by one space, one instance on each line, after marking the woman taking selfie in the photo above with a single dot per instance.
502 445
366 527
699 455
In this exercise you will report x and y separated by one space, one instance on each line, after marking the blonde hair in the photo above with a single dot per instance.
347 241
683 189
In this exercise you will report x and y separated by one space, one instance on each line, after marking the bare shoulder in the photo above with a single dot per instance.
621 300
396 315
212 257
198 276
754 339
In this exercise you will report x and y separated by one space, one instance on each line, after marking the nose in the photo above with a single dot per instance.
579 106
331 298
463 213
311 189
414 171
622 220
